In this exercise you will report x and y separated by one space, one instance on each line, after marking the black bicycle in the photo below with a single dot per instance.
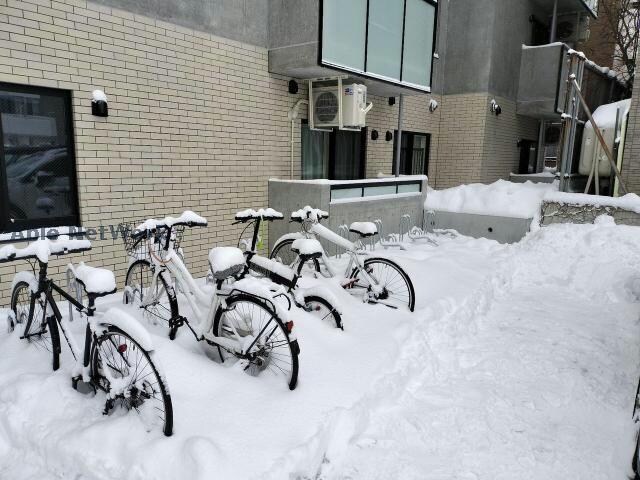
317 301
117 358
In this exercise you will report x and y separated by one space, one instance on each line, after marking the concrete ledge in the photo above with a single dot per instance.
501 229
287 196
560 212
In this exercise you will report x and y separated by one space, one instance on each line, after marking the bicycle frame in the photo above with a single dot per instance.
202 304
197 298
317 230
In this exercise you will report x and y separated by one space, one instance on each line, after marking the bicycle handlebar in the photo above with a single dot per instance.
41 250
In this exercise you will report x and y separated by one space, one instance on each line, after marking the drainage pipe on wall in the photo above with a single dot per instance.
293 116
399 137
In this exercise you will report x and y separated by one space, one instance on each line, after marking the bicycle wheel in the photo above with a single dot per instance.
321 308
397 288
164 305
126 372
41 332
282 252
247 317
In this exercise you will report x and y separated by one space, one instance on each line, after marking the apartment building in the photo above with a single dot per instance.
200 98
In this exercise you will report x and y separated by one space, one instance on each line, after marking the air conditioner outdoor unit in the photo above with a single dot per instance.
328 111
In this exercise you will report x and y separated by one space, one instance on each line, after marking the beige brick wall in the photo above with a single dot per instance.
383 118
195 121
473 144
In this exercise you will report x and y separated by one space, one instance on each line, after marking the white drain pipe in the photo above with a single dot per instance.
293 116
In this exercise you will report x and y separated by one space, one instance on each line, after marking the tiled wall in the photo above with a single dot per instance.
195 121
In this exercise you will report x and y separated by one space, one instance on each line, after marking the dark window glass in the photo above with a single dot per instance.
335 154
37 158
414 153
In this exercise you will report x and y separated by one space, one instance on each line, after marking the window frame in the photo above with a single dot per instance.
373 76
6 226
410 144
332 150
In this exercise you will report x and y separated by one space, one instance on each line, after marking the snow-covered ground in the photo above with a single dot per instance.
520 361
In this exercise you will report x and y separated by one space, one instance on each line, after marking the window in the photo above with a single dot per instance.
384 42
335 154
392 40
414 153
37 161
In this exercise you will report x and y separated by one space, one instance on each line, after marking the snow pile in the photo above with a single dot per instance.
520 362
501 198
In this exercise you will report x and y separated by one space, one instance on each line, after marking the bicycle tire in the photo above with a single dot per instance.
292 345
155 311
335 315
411 296
48 336
110 353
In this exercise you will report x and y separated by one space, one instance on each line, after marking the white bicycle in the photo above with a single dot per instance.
240 319
375 280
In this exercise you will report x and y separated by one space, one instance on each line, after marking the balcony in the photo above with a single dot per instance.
542 84
571 6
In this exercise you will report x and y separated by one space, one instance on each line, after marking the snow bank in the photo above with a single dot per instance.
501 198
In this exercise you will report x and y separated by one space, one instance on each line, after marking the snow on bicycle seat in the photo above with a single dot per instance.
262 213
364 229
314 214
307 247
95 281
226 262
44 248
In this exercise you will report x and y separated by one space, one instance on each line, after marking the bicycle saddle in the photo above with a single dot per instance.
308 213
307 248
364 229
95 281
226 262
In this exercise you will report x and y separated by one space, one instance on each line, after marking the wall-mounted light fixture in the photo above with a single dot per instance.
374 134
433 105
293 87
495 108
99 106
388 136
392 101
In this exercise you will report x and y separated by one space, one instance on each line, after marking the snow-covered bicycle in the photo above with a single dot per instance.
240 318
117 357
316 300
375 280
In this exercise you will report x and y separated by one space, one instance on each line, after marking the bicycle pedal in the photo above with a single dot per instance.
81 386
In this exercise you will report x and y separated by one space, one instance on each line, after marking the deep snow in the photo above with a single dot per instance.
521 361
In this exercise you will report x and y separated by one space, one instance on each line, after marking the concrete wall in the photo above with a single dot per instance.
242 20
501 229
289 196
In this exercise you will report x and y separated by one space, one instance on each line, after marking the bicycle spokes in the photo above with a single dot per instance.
129 378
